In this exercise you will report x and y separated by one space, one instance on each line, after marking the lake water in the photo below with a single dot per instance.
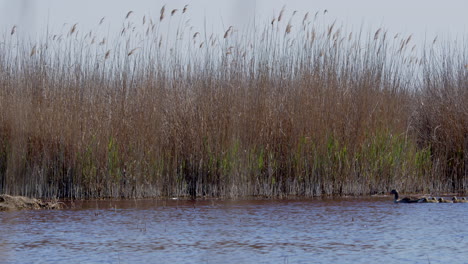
347 230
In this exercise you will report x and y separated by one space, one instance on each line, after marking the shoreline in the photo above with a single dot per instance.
14 203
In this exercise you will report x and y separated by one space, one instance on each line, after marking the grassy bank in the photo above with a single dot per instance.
285 109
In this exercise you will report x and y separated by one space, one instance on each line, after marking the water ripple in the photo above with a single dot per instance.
258 231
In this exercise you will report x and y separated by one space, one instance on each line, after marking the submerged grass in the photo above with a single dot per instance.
282 110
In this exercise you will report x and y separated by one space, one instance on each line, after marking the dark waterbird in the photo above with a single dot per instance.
406 199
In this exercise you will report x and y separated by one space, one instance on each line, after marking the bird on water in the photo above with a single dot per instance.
461 200
405 199
428 200
442 200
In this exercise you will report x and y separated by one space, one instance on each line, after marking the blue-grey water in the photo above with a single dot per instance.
347 230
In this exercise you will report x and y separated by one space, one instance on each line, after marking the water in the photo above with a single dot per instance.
348 230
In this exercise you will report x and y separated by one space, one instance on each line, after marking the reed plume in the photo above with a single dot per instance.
161 17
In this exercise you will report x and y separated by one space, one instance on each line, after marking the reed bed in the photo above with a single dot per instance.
293 108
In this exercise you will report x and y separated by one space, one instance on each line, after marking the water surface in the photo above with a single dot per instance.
347 230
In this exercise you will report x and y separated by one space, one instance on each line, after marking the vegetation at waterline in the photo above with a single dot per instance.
292 108
8 203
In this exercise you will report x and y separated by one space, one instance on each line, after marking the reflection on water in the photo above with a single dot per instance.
349 230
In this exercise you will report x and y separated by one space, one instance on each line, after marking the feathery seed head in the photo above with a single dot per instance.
163 9
128 14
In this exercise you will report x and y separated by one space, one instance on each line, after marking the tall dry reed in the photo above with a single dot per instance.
287 109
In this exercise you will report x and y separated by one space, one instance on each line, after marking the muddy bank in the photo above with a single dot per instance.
8 202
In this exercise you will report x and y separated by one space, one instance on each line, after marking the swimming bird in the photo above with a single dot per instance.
442 200
428 200
406 199
462 200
